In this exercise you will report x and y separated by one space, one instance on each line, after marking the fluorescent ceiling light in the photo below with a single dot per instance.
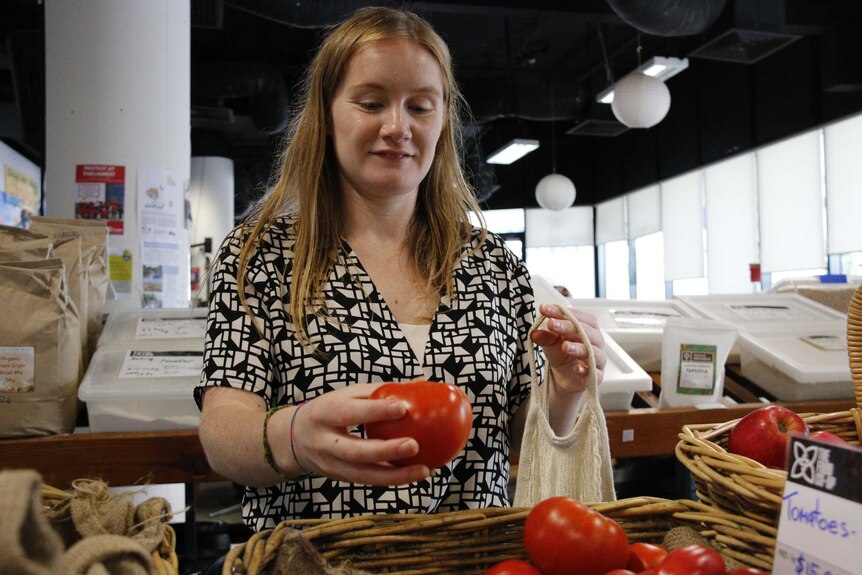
514 150
658 67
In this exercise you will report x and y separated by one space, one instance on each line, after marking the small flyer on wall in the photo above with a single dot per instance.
101 194
161 215
120 266
820 526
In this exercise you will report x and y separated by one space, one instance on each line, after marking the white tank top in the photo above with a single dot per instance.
417 337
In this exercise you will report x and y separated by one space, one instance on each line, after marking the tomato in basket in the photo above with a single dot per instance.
439 417
692 560
645 556
512 567
561 532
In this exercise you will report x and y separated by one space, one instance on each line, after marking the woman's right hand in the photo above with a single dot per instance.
323 445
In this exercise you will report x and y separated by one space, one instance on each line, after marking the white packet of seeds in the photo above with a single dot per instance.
693 353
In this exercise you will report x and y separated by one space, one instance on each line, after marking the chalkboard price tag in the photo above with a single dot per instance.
820 528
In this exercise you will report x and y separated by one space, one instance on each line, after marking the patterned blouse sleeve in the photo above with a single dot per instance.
523 307
235 353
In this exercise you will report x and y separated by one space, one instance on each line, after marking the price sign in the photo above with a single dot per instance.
820 528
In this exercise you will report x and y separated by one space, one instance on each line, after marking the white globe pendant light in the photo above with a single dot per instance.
555 192
640 101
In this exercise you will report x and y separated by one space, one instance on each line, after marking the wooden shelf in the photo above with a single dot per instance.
178 457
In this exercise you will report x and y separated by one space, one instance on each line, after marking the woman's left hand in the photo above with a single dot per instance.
565 350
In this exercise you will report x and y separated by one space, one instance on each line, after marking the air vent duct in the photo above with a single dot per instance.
743 46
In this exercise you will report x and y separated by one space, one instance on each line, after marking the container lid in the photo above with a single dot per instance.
808 352
620 316
622 373
130 373
164 328
756 308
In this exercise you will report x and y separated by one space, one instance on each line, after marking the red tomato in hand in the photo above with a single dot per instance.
562 534
747 571
644 556
439 417
513 567
620 572
692 560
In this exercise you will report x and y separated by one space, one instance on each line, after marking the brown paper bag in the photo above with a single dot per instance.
66 247
12 234
40 350
94 255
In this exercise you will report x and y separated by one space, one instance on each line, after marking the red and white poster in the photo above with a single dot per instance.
101 194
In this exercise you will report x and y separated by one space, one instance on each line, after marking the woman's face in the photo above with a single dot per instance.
386 117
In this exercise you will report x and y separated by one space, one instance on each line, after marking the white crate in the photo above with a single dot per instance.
162 328
797 362
151 391
622 376
744 310
636 325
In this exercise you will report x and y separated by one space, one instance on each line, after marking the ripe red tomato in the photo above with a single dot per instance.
561 533
747 571
645 556
513 567
620 572
692 560
439 417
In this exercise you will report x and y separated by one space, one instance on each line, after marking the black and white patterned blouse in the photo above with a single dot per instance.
477 341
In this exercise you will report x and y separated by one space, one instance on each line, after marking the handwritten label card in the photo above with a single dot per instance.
170 328
820 528
150 364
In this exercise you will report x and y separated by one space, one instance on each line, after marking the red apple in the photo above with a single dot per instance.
826 436
762 435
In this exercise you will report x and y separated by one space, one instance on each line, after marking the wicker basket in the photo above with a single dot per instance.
742 486
165 560
471 541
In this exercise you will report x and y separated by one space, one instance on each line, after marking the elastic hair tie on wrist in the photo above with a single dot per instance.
293 444
267 451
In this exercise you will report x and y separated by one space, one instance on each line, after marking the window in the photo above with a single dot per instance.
617 283
649 266
571 267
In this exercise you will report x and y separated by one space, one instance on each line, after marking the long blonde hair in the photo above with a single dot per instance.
308 183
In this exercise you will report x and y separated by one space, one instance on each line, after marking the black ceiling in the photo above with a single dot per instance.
759 70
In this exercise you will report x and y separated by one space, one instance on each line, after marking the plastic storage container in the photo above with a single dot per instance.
636 325
796 362
141 389
163 328
622 378
622 375
756 309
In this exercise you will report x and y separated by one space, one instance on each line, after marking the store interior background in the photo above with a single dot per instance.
762 72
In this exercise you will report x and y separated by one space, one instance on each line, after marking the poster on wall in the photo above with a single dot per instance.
101 194
161 216
19 198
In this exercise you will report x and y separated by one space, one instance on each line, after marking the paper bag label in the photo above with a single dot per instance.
17 369
696 369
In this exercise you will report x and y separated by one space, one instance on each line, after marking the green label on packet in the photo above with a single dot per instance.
697 369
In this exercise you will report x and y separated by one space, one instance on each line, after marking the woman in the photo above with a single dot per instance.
360 267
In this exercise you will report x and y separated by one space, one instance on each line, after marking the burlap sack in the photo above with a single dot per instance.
66 247
94 256
106 555
40 350
29 545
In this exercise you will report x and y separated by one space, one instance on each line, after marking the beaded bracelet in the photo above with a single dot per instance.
267 451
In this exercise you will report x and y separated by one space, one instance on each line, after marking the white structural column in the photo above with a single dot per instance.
117 94
212 195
